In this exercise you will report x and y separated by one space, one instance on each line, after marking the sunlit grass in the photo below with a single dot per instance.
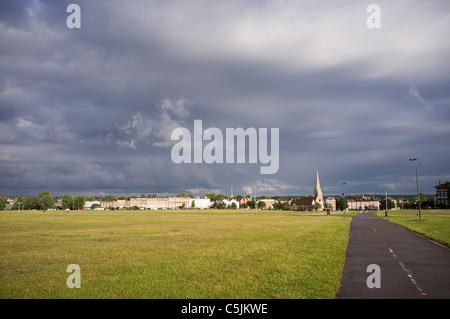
435 223
181 254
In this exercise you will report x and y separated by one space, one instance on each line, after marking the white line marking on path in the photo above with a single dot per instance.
409 273
392 252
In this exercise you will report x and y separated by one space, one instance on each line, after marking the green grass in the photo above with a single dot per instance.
435 223
181 254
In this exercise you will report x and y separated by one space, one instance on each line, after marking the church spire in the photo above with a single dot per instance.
318 196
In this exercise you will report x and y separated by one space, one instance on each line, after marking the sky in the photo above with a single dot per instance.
91 110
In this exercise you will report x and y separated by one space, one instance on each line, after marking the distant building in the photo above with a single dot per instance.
318 196
179 202
308 203
442 194
88 205
330 203
244 200
229 202
269 202
10 203
58 203
302 203
361 202
154 203
200 203
117 204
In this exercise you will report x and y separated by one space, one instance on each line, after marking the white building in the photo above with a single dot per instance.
88 205
200 203
229 202
158 203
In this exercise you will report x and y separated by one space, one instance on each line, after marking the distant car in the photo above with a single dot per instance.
427 207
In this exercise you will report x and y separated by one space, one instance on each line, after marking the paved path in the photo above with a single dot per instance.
410 265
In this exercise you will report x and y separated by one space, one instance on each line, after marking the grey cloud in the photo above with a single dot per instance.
99 103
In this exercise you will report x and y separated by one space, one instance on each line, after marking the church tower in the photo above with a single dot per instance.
318 196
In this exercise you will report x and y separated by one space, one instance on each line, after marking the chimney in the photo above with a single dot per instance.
440 182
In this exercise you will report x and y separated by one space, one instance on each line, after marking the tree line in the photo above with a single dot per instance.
45 201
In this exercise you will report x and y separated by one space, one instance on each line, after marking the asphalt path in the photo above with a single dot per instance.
410 266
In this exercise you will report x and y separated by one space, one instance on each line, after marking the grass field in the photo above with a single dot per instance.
181 254
435 223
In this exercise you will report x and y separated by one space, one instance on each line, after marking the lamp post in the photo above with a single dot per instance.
343 195
417 182
255 197
387 208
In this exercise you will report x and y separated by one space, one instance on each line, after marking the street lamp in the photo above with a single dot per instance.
343 195
417 182
255 197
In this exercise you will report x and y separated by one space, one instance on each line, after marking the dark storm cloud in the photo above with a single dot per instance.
93 108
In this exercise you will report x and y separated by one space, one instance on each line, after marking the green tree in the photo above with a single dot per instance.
46 200
3 202
109 198
44 193
26 203
277 205
261 204
391 204
341 203
285 206
423 199
79 202
281 205
316 206
219 205
67 202
220 197
185 195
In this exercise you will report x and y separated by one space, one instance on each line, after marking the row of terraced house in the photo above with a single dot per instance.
155 203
